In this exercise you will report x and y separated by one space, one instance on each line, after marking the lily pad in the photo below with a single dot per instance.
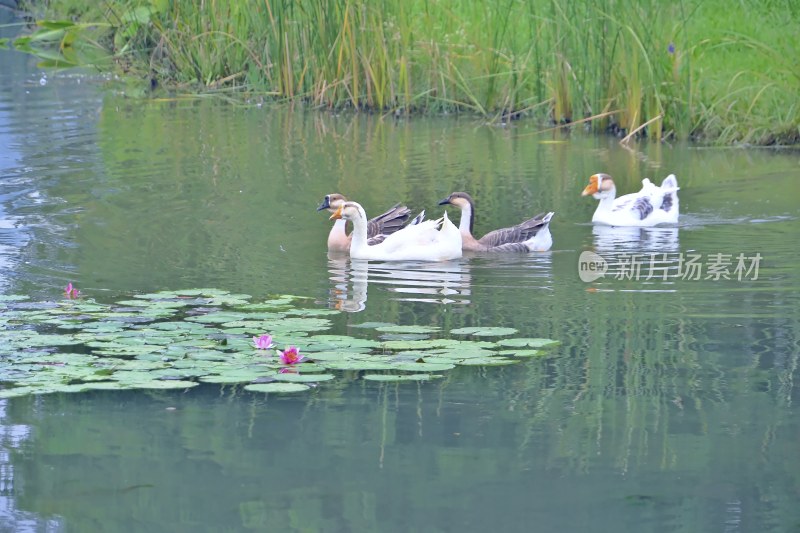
359 365
400 377
488 361
372 325
424 367
176 339
528 342
161 384
484 331
276 387
408 329
13 297
522 353
238 376
404 336
303 378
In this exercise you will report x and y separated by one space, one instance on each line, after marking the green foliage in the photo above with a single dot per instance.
664 70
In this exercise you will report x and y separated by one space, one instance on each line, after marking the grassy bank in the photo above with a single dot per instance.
710 70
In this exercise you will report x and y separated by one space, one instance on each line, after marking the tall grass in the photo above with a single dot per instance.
664 70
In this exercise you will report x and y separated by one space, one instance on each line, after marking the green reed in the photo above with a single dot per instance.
708 70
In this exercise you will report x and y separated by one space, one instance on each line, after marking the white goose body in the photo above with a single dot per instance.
430 240
377 228
651 206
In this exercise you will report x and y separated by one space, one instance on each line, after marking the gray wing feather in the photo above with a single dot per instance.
515 234
388 222
377 239
643 206
666 203
510 247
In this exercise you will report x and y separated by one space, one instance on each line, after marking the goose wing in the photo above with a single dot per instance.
421 234
515 234
388 222
670 188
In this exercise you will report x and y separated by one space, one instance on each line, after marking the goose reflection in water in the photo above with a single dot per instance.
446 282
632 239
642 254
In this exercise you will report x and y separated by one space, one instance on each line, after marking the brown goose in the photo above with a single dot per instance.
532 235
377 228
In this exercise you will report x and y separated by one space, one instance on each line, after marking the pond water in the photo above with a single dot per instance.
669 406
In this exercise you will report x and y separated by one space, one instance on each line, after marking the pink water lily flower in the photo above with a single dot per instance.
290 356
70 291
264 342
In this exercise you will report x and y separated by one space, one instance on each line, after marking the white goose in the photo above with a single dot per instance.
648 207
377 228
532 235
431 240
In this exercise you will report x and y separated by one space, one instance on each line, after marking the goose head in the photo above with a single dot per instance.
458 199
464 202
348 211
600 186
331 202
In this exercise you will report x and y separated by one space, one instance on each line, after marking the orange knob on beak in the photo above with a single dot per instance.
591 188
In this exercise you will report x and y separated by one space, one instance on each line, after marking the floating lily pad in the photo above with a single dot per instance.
359 365
525 342
16 392
484 331
13 297
325 357
238 376
339 341
423 367
522 353
461 352
276 387
404 336
162 384
400 377
372 325
488 361
408 329
176 339
218 317
302 378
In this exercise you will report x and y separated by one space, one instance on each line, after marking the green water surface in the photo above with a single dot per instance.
669 405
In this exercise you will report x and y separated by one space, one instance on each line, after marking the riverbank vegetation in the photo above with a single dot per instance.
708 70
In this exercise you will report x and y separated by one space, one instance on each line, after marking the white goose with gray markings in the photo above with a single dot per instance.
650 206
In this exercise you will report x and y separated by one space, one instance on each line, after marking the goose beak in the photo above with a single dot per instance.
337 214
326 203
445 201
591 188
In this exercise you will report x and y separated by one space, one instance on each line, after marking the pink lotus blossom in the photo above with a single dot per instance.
290 356
264 342
70 291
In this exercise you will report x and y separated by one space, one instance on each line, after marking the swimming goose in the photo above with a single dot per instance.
377 228
650 206
431 240
532 235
